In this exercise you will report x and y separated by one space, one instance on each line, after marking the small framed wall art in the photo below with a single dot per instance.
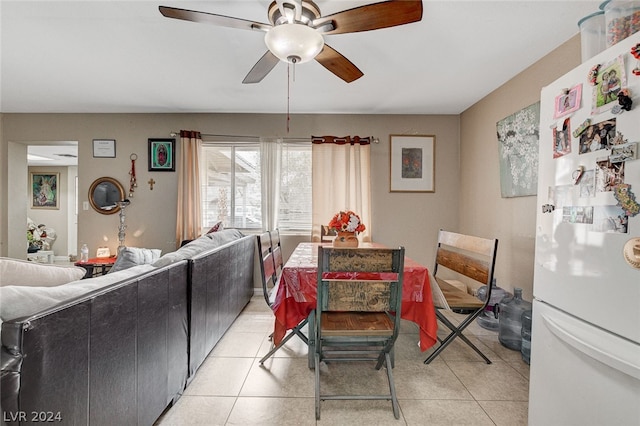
44 190
412 163
104 148
162 155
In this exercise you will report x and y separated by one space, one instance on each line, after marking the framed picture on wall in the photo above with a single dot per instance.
104 148
518 136
162 155
412 163
44 190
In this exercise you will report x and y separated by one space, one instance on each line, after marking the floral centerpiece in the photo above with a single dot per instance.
347 224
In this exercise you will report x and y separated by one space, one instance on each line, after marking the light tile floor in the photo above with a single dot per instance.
457 388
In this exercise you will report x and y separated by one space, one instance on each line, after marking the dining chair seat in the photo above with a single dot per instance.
356 324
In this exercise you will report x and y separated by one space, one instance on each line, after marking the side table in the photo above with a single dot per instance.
97 266
41 256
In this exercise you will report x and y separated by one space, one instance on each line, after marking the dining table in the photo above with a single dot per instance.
295 295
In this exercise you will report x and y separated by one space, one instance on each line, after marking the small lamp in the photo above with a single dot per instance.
295 43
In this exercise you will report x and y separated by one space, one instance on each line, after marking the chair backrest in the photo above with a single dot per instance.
360 279
325 232
267 265
470 256
276 247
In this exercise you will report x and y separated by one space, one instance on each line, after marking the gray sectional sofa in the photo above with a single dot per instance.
121 348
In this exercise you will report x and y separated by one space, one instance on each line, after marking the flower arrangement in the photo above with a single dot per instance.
347 221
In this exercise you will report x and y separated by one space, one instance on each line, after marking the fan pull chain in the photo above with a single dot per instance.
288 94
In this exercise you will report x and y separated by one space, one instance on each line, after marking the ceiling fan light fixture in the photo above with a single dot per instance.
294 43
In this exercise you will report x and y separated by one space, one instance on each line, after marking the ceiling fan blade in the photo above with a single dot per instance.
261 68
212 18
332 60
372 17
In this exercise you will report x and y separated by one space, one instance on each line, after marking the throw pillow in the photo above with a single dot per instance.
25 273
224 237
133 256
215 228
199 245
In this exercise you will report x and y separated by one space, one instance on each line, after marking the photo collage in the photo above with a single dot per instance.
602 150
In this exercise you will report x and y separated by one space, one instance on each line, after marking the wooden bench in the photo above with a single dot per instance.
468 258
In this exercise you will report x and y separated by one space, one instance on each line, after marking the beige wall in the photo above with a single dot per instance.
408 219
467 196
483 211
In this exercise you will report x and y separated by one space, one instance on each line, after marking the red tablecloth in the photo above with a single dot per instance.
97 261
295 295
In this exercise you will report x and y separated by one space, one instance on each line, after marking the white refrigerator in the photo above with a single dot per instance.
585 350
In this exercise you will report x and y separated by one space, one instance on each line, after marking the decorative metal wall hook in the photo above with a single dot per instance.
133 183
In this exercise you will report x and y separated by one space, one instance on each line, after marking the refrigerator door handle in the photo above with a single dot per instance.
578 339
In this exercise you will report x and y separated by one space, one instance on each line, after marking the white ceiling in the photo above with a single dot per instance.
58 154
124 56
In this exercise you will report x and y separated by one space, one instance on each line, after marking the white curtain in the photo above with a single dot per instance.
341 176
271 165
189 215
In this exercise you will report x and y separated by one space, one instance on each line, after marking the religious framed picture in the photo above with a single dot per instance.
44 190
412 163
162 155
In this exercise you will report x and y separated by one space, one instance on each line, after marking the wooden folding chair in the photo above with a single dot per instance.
267 266
358 312
327 234
468 258
271 265
276 247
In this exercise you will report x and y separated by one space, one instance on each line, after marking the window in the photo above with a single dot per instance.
232 186
294 213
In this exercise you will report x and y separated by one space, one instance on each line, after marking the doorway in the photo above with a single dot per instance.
58 159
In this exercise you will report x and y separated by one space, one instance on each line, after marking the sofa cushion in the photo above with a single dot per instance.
199 245
25 273
19 301
223 237
133 256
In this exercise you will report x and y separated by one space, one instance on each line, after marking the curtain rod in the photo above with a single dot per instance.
173 134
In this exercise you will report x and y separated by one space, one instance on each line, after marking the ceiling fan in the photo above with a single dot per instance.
295 32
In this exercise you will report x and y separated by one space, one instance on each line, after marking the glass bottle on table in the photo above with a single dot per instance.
84 253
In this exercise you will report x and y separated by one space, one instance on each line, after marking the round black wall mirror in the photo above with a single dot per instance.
104 194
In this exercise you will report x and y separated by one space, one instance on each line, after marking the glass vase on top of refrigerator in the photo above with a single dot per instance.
585 349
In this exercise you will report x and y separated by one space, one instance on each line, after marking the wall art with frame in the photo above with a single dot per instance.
162 155
44 190
104 148
518 137
412 163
